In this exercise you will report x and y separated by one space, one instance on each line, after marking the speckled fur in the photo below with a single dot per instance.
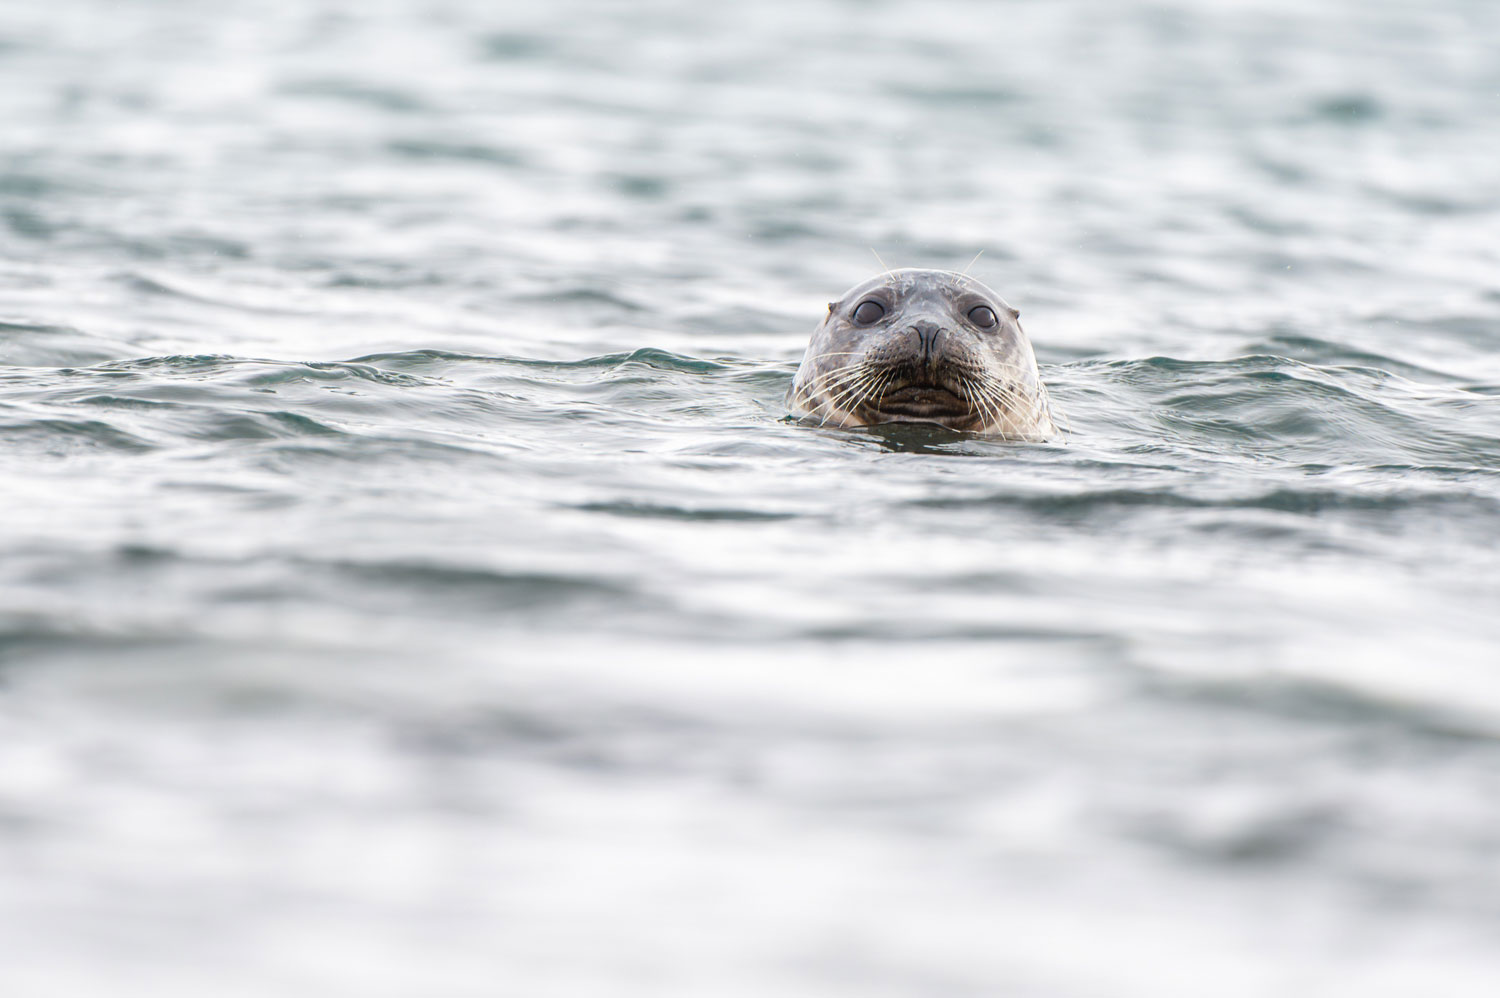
924 348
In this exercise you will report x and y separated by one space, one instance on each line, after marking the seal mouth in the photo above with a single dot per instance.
923 401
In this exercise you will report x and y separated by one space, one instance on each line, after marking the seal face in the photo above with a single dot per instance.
923 346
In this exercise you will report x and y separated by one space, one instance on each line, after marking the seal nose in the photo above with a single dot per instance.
927 334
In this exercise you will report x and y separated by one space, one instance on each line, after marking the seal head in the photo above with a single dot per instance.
923 346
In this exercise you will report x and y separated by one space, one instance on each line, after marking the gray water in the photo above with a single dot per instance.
410 583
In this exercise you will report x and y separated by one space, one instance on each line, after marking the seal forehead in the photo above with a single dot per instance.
912 281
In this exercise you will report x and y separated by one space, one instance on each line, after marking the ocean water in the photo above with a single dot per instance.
411 584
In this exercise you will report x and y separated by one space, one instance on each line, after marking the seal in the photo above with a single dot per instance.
923 346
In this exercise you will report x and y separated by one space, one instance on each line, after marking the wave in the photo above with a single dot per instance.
1267 408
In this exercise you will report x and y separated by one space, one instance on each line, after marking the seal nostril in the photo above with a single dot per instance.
927 334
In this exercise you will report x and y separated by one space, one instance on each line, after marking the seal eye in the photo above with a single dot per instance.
983 316
868 312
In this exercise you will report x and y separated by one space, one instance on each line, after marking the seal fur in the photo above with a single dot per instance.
934 347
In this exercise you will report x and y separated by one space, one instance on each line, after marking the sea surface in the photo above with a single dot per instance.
411 582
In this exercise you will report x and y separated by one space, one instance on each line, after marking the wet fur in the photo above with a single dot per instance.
924 361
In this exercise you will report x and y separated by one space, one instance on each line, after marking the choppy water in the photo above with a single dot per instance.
409 583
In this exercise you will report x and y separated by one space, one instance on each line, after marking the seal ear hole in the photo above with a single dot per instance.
983 316
868 312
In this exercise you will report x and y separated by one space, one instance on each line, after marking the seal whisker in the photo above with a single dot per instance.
836 377
847 384
1003 392
874 380
827 407
807 396
859 385
1002 399
890 376
988 412
1038 410
883 381
832 402
963 387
